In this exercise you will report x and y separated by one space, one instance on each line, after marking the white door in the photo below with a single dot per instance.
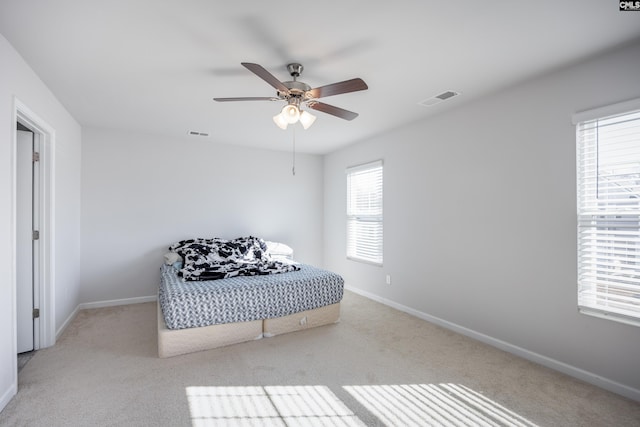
24 241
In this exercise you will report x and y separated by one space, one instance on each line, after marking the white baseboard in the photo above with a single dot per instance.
8 395
100 304
115 302
556 365
67 322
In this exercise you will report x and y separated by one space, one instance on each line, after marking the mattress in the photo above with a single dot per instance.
192 304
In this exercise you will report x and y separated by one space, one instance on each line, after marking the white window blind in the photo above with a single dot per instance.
608 166
364 212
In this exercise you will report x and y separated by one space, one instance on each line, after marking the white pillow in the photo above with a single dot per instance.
171 258
279 250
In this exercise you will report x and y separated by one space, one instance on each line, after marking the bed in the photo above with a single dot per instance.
217 306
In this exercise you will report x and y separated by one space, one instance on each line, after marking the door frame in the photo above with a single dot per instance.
44 330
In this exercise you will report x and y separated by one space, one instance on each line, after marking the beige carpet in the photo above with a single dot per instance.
378 366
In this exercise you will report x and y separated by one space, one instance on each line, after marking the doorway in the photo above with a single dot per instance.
33 237
27 238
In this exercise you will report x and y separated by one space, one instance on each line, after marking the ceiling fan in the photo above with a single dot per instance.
297 94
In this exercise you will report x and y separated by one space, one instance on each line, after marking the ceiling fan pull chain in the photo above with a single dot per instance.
293 168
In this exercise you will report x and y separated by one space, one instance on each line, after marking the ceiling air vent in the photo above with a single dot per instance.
429 102
196 133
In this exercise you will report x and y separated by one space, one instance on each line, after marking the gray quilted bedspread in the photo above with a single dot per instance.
245 298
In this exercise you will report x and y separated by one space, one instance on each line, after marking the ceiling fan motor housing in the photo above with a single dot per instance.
296 89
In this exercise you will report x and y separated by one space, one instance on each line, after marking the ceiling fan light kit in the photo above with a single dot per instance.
296 93
290 115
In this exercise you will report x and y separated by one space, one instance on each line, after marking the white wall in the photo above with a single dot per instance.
480 219
141 193
17 79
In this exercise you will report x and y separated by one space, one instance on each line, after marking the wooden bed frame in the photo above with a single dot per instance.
174 342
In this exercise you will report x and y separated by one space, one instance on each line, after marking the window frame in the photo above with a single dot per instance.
596 218
363 218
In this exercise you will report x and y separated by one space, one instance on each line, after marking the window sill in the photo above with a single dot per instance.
620 318
364 261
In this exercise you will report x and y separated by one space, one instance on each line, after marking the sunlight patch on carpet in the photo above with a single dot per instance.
394 405
268 406
434 405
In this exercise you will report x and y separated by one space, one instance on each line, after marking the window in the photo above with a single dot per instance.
608 163
364 213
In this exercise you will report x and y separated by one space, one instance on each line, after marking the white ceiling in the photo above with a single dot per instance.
154 66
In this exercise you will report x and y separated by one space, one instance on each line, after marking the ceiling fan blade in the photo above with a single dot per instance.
334 111
259 71
346 86
248 98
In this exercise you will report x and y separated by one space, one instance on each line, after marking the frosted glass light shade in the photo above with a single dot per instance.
291 113
307 119
280 121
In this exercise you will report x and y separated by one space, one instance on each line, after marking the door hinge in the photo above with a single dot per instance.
36 235
36 156
36 313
